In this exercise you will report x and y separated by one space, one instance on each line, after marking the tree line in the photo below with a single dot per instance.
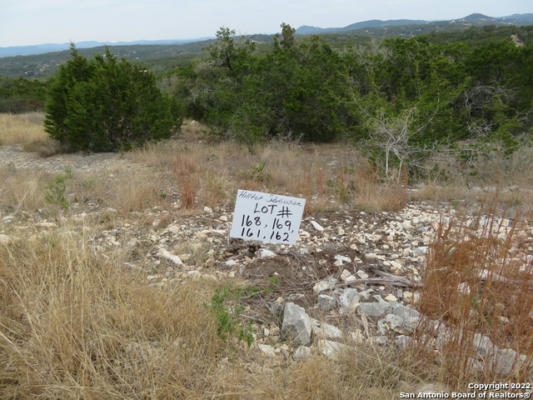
397 98
304 89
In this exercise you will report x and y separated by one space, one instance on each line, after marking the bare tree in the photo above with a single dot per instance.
392 137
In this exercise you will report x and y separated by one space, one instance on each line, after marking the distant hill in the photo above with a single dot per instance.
474 29
374 23
55 47
377 25
158 57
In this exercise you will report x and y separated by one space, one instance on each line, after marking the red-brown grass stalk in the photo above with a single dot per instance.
478 280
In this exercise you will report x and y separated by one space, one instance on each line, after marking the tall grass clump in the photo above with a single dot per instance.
478 296
23 129
74 325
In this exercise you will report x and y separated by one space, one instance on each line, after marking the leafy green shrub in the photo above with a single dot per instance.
294 90
227 310
107 105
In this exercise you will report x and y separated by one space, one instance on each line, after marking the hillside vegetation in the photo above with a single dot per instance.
402 101
399 101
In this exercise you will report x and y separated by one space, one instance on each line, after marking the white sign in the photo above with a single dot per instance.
265 217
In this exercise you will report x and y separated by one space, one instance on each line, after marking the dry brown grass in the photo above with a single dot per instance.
510 178
186 175
363 372
328 176
478 280
122 189
75 324
22 190
118 188
25 129
508 198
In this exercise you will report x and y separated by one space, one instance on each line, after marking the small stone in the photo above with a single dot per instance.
503 319
416 298
391 298
331 349
483 345
396 267
174 229
8 219
303 251
365 294
357 336
463 288
169 256
420 251
409 316
276 308
349 300
325 284
208 210
432 388
317 226
194 274
373 309
267 350
340 260
362 274
301 353
407 296
296 324
504 361
347 277
265 253
326 303
327 331
394 323
46 224
402 341
231 262
371 256
340 231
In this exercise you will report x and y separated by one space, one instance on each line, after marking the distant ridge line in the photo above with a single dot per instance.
475 19
11 51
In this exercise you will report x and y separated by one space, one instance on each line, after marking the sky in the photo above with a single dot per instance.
29 22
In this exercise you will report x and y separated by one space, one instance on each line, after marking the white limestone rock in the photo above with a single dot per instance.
296 324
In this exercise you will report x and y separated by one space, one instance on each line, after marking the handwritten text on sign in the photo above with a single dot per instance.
267 217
